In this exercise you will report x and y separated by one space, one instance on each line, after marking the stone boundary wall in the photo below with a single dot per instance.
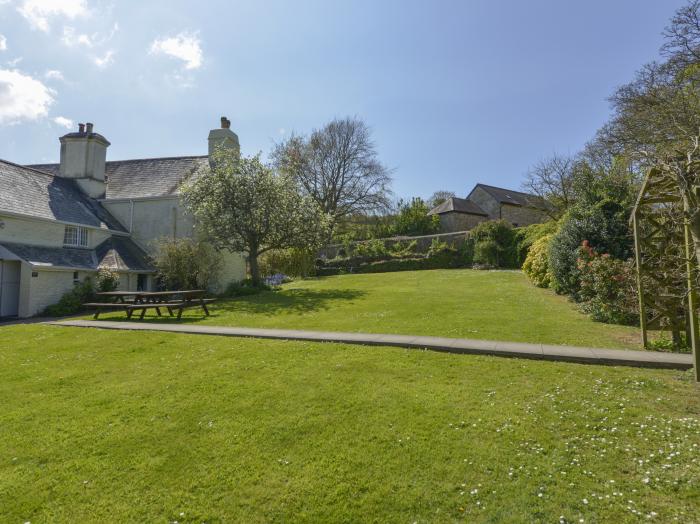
455 239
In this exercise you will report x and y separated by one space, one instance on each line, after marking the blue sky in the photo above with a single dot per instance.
457 92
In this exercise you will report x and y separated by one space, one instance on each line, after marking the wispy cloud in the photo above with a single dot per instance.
104 60
3 43
184 46
53 74
39 12
23 97
72 38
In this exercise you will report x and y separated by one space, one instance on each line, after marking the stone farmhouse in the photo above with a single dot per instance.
60 223
489 203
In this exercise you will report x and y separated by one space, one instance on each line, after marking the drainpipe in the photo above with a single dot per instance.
131 217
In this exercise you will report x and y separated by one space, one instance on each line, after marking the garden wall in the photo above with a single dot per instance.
454 239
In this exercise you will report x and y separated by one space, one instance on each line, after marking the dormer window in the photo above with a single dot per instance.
75 236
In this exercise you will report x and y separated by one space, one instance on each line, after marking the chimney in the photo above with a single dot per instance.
83 156
223 138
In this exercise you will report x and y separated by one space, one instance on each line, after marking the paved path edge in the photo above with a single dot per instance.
583 355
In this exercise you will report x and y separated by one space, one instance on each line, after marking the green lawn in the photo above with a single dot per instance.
104 426
496 305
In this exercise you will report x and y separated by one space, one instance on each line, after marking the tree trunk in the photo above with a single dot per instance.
694 226
254 268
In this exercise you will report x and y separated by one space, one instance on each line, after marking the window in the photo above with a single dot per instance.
76 277
75 236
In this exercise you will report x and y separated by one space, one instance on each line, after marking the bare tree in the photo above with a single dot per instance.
682 35
337 166
552 179
439 197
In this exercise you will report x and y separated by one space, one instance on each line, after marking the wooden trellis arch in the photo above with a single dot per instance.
661 233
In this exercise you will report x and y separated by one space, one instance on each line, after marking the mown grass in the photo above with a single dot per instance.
103 426
495 305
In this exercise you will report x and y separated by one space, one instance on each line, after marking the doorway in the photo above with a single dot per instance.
9 288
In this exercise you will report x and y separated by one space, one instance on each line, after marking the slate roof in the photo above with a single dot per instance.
516 198
26 191
116 253
145 177
53 256
122 254
458 205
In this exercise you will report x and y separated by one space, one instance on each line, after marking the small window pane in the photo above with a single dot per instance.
75 236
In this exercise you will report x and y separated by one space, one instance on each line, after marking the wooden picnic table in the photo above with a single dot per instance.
131 301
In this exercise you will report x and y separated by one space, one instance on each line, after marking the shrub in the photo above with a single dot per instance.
413 219
603 225
72 301
184 263
494 244
526 236
536 265
294 262
486 253
107 280
466 251
400 250
244 288
374 249
436 247
608 290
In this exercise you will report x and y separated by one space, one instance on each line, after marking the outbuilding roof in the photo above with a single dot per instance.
144 177
30 192
516 198
458 205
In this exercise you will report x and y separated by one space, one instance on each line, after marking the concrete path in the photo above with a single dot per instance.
616 357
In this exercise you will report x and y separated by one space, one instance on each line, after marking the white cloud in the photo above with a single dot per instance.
104 60
63 122
70 38
185 46
3 43
22 97
53 74
38 12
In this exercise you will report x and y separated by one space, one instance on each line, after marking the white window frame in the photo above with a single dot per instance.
75 236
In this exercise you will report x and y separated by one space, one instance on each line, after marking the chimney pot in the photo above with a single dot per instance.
88 128
81 128
225 123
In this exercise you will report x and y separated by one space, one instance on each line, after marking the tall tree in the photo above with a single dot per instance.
241 205
552 179
439 197
338 167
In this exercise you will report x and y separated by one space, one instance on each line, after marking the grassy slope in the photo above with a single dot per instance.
116 426
496 305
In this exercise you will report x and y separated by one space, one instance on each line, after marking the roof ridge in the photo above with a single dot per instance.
157 158
29 167
122 161
506 189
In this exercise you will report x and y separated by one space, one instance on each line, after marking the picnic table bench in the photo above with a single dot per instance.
130 301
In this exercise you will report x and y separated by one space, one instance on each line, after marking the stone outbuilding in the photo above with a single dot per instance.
486 202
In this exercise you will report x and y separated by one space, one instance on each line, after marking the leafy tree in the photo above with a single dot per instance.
413 219
241 205
338 167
